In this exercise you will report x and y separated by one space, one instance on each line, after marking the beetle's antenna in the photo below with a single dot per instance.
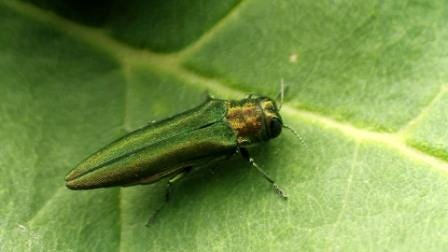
282 92
296 135
280 98
281 95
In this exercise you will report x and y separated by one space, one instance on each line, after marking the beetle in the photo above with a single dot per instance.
173 147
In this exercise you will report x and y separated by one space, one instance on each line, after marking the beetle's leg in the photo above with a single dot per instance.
168 193
170 183
178 177
277 189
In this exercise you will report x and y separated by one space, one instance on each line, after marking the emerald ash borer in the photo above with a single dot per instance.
173 147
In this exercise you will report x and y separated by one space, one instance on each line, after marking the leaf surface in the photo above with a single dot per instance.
367 93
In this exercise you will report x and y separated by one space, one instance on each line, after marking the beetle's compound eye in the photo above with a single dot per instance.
275 127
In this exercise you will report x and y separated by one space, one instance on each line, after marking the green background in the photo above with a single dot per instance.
368 93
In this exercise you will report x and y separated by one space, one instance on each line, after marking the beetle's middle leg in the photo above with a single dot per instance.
168 192
171 181
245 154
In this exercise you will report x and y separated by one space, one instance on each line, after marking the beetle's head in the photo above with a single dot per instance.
272 120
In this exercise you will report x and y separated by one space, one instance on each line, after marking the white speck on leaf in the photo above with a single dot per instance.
293 57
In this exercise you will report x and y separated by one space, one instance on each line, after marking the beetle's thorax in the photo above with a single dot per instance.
246 119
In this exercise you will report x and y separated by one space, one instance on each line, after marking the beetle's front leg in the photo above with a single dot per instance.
245 154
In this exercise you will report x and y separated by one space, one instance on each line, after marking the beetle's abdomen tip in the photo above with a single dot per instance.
70 185
72 181
76 184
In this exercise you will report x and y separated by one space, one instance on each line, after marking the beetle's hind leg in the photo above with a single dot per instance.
168 193
245 154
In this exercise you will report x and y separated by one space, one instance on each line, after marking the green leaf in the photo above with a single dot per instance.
367 93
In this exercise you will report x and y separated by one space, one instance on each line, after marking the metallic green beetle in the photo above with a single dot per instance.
173 147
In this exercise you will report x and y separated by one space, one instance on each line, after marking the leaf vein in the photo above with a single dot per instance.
209 34
424 110
347 190
44 206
